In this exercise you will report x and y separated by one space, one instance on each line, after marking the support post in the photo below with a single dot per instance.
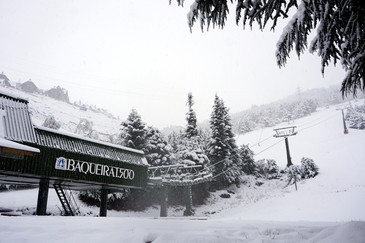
42 197
164 196
188 201
289 163
345 130
285 132
103 202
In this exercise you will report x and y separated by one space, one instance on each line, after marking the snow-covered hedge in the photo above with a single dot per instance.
308 168
268 168
356 117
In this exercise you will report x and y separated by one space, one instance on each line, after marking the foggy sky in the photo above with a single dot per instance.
121 55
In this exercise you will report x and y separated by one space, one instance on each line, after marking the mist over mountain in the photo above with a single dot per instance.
299 104
295 106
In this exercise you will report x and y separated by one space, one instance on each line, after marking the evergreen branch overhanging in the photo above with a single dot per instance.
339 24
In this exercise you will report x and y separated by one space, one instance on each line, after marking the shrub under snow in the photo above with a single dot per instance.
268 168
308 168
51 122
356 117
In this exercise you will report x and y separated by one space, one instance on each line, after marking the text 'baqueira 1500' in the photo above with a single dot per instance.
93 168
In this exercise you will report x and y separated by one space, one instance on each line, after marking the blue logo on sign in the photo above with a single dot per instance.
61 163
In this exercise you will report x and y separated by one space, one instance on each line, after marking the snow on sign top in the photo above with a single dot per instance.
13 145
285 131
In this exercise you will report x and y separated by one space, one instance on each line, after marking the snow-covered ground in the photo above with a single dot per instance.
338 193
327 208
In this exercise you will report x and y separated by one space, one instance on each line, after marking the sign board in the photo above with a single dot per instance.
285 131
75 169
90 168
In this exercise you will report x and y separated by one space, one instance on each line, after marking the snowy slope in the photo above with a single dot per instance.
68 115
328 208
337 193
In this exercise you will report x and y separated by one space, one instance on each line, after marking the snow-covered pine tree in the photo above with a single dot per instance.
157 150
191 128
191 152
134 131
271 169
249 166
173 139
294 175
204 138
190 148
222 147
339 27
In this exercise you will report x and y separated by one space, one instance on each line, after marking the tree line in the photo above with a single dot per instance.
214 147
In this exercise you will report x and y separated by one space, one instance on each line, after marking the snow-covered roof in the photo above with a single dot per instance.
13 95
4 143
73 135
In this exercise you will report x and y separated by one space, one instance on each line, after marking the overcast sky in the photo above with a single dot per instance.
140 54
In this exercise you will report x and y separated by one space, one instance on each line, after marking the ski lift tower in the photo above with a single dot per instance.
286 132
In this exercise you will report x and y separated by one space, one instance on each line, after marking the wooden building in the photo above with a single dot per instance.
43 156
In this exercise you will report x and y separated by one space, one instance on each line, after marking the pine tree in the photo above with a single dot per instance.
173 140
134 131
222 147
191 129
217 145
249 166
157 150
191 152
339 26
189 145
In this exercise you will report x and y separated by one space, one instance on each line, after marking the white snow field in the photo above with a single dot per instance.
328 208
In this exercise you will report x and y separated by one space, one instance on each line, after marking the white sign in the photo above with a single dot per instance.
93 168
285 132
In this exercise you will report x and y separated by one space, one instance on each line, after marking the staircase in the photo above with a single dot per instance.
66 200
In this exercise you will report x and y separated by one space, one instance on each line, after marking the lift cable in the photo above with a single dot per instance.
261 141
328 118
269 147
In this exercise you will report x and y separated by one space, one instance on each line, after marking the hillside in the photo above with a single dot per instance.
68 115
292 107
327 208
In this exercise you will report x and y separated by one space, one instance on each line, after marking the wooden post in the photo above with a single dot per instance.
103 202
188 201
42 197
164 197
